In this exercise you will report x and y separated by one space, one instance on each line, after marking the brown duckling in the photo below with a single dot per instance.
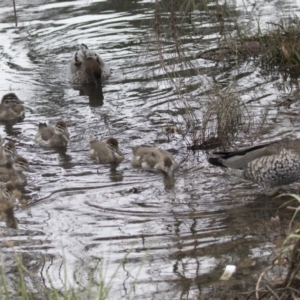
152 158
14 173
105 152
53 136
11 108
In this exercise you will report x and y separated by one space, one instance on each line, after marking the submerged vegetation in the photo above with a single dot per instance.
280 46
286 285
223 115
26 284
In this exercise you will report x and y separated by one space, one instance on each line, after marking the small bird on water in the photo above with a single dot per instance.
152 158
14 173
105 152
11 108
53 136
270 165
86 66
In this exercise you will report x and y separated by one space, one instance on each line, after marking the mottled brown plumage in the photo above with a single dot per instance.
152 158
19 109
53 136
14 173
11 108
105 152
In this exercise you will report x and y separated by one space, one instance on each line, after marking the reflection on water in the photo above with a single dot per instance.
169 182
94 92
181 232
115 175
10 220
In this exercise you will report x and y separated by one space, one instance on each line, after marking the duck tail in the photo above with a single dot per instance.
42 125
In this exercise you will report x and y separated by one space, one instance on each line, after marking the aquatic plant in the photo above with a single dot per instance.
210 112
287 262
23 283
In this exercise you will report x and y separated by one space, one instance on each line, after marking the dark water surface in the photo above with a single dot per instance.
178 239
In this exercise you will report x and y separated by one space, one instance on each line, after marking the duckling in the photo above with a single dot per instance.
14 173
53 136
11 108
6 193
7 204
152 158
105 152
87 66
7 153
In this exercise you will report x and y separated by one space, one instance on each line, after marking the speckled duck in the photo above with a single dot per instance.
270 165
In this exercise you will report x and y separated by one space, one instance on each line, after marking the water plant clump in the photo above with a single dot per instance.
277 46
221 121
287 264
20 280
280 45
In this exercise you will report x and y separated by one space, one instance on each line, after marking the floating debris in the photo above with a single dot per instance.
229 270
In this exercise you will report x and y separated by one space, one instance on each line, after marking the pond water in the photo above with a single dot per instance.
166 241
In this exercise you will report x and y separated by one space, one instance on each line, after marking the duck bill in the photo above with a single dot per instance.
119 152
20 101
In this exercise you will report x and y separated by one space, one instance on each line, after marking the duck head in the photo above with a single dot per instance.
113 144
61 129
